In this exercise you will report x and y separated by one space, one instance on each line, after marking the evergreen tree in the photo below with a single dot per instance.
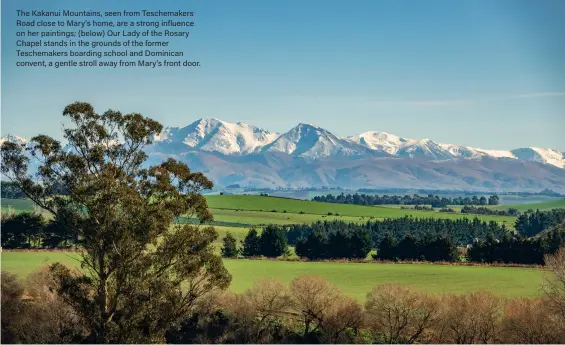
251 244
493 200
443 248
360 244
408 248
229 249
273 241
387 248
23 230
313 247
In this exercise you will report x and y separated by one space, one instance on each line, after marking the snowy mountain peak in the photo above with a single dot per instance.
380 141
210 134
541 155
310 141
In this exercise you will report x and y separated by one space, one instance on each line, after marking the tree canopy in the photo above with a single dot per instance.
141 271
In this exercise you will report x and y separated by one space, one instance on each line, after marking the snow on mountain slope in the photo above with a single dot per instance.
536 154
424 148
496 153
309 141
306 140
380 141
13 138
461 151
219 136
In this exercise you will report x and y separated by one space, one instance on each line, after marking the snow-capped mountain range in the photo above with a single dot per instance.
313 142
310 156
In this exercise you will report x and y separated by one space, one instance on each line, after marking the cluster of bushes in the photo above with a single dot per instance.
271 243
532 223
309 310
433 200
485 210
427 248
418 208
28 230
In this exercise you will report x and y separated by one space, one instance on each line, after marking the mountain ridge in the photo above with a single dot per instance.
311 156
314 142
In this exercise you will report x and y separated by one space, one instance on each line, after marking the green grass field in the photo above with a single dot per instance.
263 208
355 279
245 211
236 213
542 206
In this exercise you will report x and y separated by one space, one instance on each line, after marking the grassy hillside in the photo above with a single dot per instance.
246 211
354 279
542 206
264 206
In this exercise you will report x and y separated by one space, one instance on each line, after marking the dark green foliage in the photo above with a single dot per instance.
442 248
229 249
408 248
493 200
360 243
488 211
463 230
434 200
427 248
518 249
251 244
31 230
314 246
24 230
532 223
387 248
273 241
336 242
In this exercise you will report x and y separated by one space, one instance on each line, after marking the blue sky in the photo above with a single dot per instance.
482 73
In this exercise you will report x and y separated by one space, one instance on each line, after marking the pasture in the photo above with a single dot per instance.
542 206
355 279
266 208
247 210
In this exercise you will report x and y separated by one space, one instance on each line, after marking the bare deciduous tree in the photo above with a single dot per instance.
400 314
313 298
345 313
469 319
554 286
530 321
269 300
